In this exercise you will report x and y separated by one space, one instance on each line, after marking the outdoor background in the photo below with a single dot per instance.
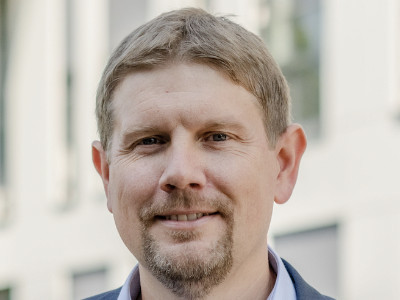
341 228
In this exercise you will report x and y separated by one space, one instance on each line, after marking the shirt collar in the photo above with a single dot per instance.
131 288
283 288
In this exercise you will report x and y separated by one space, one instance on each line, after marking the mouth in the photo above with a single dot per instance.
184 217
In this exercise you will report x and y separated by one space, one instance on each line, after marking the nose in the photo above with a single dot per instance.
184 169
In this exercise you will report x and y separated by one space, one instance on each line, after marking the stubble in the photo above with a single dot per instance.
189 274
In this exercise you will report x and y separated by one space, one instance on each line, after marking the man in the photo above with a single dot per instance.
195 148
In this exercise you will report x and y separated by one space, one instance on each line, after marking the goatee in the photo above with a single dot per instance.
188 273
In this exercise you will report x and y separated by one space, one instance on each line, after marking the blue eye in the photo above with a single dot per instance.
151 141
219 137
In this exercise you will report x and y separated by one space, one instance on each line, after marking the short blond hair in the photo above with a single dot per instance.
193 35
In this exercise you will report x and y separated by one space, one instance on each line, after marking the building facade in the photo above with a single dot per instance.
341 228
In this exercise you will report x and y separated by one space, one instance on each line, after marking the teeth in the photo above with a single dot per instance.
189 217
182 218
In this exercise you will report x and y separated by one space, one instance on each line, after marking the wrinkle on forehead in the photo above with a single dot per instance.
179 75
150 95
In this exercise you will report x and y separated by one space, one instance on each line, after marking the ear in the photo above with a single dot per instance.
289 148
99 157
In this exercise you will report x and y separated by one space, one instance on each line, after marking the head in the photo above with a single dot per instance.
193 35
195 148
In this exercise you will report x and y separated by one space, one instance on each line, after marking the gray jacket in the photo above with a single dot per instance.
303 290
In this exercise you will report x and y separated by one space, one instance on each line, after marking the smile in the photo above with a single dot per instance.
185 217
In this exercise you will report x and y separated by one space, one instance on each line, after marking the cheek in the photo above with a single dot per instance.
251 186
245 178
130 186
261 197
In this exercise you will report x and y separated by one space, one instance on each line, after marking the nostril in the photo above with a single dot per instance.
194 185
170 187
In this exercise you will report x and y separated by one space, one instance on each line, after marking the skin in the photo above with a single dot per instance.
185 131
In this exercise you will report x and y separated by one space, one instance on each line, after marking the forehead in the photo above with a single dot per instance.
184 91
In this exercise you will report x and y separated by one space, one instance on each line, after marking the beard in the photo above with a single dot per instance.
188 273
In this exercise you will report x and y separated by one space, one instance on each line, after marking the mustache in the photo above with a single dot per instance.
186 199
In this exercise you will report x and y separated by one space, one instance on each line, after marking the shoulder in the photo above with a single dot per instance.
110 295
303 289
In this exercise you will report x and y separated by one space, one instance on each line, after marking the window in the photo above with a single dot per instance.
292 31
5 294
3 119
3 72
70 106
69 72
89 283
314 253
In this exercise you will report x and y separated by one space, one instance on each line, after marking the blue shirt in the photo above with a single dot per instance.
283 288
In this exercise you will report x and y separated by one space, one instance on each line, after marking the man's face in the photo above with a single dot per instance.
191 179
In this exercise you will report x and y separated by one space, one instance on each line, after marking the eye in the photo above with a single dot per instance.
151 141
218 137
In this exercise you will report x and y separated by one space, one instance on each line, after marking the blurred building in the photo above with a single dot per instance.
341 228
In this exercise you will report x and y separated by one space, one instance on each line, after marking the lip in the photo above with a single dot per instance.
178 212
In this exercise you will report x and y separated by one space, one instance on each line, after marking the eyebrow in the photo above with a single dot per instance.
128 136
213 125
